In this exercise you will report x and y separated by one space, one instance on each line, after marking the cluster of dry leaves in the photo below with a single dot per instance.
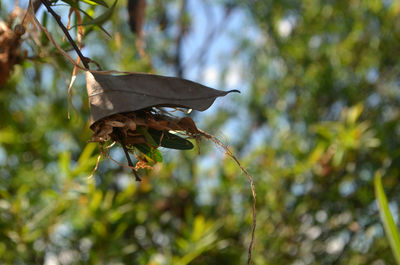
125 125
10 41
142 132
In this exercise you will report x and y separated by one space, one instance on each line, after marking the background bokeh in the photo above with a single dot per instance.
317 118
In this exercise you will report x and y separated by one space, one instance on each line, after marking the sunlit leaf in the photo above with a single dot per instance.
391 230
64 161
95 2
150 152
86 153
98 21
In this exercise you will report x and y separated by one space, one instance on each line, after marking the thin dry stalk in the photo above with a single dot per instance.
229 153
96 166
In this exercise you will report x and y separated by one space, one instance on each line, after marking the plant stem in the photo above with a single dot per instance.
36 5
64 29
121 138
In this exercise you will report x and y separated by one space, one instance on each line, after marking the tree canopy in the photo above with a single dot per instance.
317 121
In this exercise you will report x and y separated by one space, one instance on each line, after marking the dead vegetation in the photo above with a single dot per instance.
10 42
142 132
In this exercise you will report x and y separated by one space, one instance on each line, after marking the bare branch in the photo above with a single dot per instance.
179 40
36 5
64 29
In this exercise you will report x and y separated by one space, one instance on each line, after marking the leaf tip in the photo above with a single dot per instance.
234 90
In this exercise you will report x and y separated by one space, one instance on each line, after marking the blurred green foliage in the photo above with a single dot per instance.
387 218
317 119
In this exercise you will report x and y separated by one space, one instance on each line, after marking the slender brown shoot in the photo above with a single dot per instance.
229 153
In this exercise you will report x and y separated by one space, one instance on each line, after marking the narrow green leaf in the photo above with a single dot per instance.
387 218
156 154
71 3
44 19
150 152
95 2
86 160
144 148
98 21
170 140
64 161
95 201
87 13
144 131
87 153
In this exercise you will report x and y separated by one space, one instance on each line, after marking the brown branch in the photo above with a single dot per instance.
36 5
212 36
64 29
179 40
121 138
130 163
229 153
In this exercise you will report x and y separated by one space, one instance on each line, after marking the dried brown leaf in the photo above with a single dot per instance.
111 94
188 125
142 164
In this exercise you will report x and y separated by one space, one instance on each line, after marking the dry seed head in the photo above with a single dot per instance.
19 30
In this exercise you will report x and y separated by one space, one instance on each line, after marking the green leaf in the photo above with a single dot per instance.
95 200
150 152
8 135
76 6
98 21
144 148
387 218
64 161
87 153
95 2
170 140
149 138
85 161
156 154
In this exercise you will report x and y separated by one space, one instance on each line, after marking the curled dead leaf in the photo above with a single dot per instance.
112 94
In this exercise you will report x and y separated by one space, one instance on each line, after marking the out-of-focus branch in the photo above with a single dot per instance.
137 12
64 29
36 5
179 39
198 57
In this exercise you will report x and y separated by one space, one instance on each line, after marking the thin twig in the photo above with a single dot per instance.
212 36
64 29
66 55
121 137
250 178
96 166
36 5
179 40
